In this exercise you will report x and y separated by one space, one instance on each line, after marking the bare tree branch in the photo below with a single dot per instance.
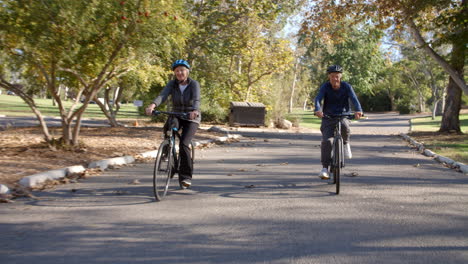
443 63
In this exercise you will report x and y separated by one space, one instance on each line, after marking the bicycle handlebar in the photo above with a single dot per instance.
177 114
348 116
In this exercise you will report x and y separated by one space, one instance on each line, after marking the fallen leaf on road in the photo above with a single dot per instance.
65 180
22 192
135 182
4 200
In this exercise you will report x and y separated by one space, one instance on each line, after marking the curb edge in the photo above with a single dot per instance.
463 168
36 180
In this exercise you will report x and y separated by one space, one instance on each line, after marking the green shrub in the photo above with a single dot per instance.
214 114
405 107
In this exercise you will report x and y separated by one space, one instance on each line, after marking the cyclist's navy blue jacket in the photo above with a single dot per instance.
336 102
187 101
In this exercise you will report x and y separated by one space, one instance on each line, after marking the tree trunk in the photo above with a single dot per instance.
417 87
422 104
67 136
435 94
118 98
107 113
434 109
442 102
76 130
450 119
391 97
247 96
293 87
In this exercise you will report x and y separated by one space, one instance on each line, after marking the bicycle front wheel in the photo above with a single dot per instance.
337 161
336 178
162 170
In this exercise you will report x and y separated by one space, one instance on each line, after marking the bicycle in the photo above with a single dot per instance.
337 149
167 161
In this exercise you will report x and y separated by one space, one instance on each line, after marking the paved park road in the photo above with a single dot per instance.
255 201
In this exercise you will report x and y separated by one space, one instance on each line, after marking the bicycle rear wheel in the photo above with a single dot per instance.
162 170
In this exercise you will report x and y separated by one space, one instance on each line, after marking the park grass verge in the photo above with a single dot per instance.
305 119
15 106
427 124
450 145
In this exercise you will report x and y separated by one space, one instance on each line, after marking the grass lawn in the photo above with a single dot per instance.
427 124
305 119
15 106
450 145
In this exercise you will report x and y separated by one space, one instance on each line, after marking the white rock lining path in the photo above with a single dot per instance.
429 153
38 179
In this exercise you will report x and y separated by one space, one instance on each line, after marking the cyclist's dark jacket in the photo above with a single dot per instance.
336 102
186 102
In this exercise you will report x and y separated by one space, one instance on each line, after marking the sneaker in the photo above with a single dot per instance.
186 183
347 151
324 174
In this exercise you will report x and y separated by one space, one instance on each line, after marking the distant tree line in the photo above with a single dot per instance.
405 56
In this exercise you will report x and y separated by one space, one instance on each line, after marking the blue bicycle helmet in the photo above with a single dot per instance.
178 63
335 68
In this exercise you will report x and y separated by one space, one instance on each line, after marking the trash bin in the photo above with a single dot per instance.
247 114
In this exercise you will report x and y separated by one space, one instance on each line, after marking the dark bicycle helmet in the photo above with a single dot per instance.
178 63
335 68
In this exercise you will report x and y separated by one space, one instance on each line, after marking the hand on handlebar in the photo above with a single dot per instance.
149 109
193 114
358 115
319 114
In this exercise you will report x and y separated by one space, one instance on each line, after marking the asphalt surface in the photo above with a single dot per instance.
255 201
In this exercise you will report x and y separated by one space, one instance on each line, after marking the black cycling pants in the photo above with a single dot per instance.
185 154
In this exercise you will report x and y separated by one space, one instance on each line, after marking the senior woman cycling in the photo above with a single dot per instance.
185 93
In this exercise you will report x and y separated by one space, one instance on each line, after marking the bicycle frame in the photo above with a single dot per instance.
162 178
337 138
175 134
337 149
